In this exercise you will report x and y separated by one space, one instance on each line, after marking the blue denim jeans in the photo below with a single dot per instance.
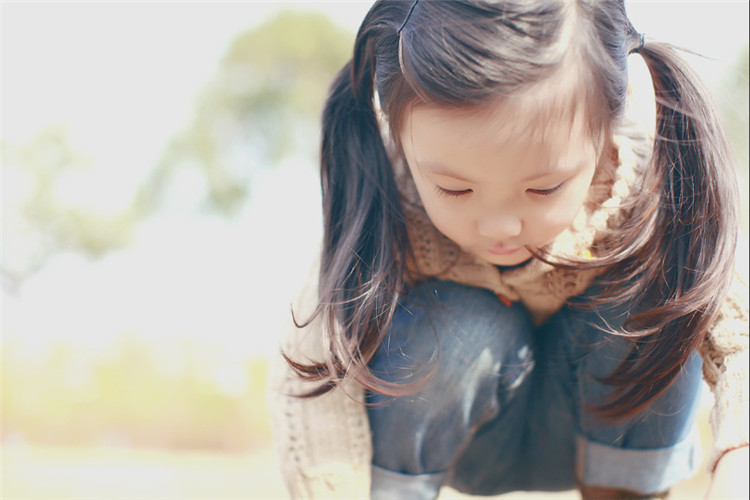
507 406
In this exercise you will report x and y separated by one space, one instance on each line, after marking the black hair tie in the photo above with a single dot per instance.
408 15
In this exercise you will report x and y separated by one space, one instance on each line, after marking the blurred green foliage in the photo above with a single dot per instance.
735 104
46 158
48 216
262 104
733 96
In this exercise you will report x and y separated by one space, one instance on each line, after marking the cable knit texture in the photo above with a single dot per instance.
324 443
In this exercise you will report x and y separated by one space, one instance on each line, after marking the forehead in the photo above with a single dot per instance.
550 121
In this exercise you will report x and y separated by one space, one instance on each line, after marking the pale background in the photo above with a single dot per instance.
193 299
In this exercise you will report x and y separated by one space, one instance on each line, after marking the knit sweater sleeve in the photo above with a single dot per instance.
323 443
725 368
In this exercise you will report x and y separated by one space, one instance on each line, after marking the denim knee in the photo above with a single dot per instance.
476 351
595 353
647 452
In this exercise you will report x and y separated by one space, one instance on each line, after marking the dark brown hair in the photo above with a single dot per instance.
672 258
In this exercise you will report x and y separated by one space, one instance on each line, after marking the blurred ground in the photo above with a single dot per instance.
103 473
118 473
108 473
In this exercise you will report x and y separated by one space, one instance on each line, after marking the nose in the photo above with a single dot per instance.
500 227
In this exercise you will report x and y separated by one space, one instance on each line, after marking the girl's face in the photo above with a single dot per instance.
493 182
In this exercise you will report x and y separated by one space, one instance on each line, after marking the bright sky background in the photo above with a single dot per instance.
88 63
123 77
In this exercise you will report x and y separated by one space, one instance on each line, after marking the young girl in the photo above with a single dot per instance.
523 274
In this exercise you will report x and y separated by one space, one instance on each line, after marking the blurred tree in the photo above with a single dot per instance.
734 100
49 216
735 103
262 105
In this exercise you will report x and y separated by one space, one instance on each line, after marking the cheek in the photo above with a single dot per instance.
450 221
551 226
566 207
559 216
442 212
563 213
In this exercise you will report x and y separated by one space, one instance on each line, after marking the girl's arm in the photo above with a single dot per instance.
725 367
322 443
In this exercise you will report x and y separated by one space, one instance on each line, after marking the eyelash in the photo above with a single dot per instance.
451 194
456 194
547 192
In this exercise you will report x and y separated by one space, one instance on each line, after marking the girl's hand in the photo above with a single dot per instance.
730 479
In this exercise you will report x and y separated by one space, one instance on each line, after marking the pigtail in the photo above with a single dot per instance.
365 239
681 273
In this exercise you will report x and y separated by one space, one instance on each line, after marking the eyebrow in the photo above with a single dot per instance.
439 169
436 168
549 172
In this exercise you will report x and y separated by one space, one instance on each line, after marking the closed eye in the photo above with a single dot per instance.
452 193
546 192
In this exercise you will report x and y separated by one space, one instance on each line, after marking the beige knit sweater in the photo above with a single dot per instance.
324 443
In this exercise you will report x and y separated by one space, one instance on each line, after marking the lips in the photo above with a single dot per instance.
503 250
